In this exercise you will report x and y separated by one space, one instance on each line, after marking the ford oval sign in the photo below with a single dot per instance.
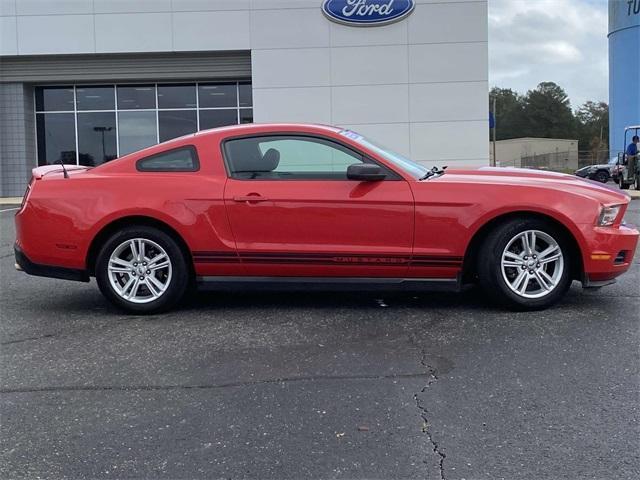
367 13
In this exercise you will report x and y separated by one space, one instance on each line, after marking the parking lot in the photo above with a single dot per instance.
319 385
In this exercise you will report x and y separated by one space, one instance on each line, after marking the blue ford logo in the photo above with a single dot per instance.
367 12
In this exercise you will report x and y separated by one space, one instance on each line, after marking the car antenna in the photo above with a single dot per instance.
64 170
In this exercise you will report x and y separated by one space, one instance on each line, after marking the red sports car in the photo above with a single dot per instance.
308 206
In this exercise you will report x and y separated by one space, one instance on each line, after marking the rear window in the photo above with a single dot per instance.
183 159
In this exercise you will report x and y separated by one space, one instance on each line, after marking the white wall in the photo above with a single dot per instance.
510 152
418 85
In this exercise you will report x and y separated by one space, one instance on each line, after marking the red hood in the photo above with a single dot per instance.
539 179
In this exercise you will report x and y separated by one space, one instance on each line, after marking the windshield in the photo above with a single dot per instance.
415 169
613 160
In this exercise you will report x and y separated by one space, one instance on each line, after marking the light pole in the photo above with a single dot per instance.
102 130
495 123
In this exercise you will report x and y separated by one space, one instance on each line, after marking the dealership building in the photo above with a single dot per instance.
624 71
86 81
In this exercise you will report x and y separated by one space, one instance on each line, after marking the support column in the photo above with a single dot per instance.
17 138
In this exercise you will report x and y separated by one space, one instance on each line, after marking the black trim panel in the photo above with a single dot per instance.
328 284
50 271
586 283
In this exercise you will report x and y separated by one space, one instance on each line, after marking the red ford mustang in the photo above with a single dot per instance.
304 206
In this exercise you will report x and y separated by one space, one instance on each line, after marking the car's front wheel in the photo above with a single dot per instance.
622 184
142 270
525 264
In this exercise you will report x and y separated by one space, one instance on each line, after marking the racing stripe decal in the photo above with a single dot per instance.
391 260
216 257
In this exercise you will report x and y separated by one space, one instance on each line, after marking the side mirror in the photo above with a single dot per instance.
366 172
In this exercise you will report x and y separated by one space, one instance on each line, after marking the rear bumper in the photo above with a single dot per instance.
24 264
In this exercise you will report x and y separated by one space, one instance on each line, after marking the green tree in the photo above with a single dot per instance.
548 112
593 126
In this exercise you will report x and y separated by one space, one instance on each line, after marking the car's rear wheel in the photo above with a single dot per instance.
602 176
142 270
525 264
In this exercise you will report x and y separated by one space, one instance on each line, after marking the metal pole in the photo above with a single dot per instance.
495 124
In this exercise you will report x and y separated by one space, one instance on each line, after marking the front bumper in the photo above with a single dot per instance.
609 254
23 263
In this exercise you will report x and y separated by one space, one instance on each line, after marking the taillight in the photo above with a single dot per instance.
27 192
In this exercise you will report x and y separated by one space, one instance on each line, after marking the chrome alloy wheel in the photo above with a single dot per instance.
532 264
139 270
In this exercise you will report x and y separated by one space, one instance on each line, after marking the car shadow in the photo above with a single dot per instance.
77 302
80 302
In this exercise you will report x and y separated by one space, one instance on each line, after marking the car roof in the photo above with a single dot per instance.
249 128
228 131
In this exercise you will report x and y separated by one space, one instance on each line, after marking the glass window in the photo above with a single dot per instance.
178 160
288 157
56 138
95 98
136 130
216 95
246 98
145 114
246 115
413 168
96 137
136 96
217 118
54 99
177 96
176 123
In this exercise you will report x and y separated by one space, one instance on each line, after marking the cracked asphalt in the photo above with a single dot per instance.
320 385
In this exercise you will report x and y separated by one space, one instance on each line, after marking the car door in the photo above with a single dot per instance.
293 212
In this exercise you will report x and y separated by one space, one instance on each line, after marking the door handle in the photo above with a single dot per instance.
250 198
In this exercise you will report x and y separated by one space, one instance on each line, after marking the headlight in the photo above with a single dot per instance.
608 215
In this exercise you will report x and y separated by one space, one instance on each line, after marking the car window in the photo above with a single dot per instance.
288 157
184 159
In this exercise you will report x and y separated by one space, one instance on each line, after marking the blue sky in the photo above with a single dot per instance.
564 41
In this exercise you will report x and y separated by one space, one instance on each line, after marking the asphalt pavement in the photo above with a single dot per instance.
319 385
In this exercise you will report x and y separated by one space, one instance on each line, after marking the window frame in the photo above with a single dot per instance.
392 175
238 108
190 147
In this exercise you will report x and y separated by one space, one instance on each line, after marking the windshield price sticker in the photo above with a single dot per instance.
351 135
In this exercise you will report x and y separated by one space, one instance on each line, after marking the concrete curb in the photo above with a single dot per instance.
10 200
634 194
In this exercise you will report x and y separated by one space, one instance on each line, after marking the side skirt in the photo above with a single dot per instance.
229 283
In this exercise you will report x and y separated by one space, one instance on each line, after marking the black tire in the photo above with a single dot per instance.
601 176
623 185
180 273
490 264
